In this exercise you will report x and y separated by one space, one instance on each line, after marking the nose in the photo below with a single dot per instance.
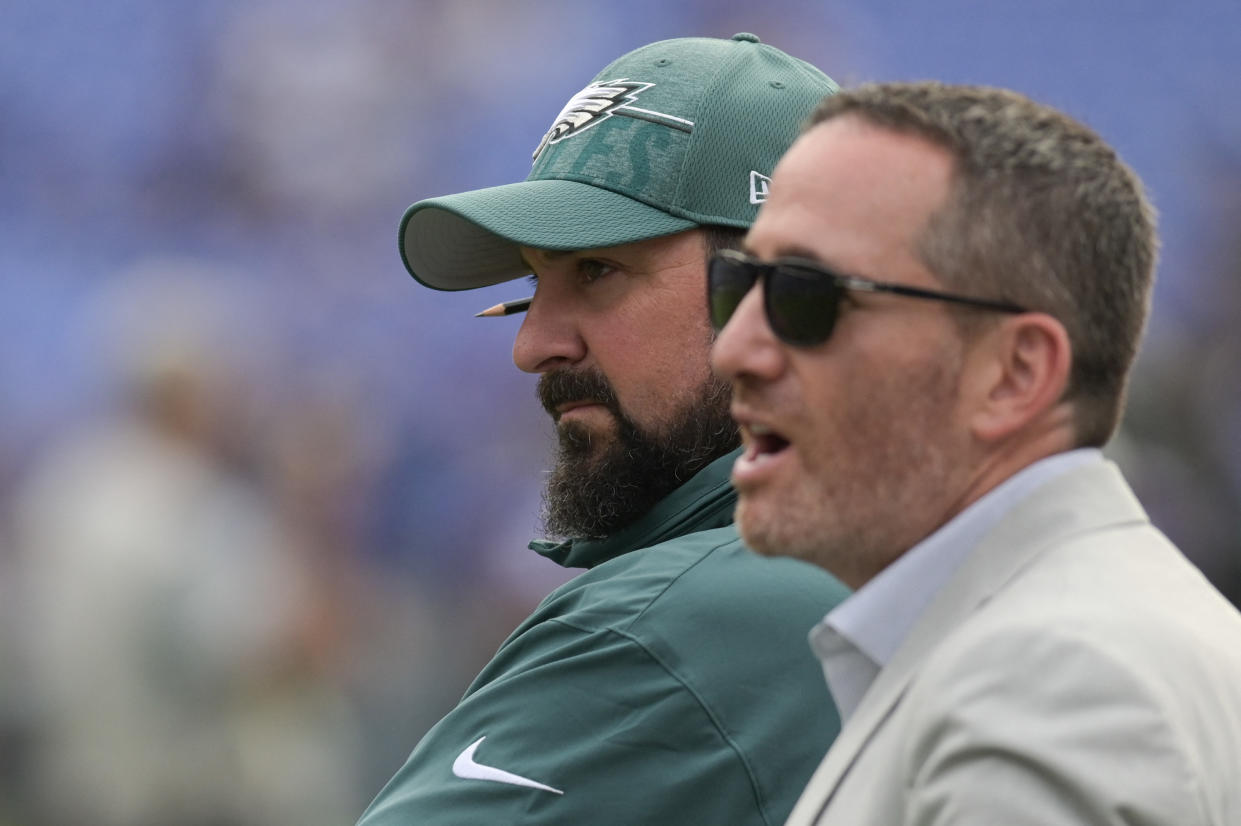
746 348
549 337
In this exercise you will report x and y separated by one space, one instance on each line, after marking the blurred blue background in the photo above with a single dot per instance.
264 502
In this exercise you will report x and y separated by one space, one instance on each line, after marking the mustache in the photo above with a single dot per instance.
564 386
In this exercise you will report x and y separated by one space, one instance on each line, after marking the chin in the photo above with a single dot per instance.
755 531
584 441
784 532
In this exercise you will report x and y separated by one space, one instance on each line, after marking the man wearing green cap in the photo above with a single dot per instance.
671 682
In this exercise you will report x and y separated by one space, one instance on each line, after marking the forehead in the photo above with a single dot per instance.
846 183
667 250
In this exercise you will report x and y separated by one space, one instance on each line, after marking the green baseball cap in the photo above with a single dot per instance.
668 137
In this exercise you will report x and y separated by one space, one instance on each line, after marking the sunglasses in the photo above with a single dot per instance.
801 298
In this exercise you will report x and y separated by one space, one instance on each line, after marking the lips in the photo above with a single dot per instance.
562 391
762 441
766 452
578 404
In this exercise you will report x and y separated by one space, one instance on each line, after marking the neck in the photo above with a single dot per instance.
1046 436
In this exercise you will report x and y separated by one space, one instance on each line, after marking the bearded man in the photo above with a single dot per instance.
670 682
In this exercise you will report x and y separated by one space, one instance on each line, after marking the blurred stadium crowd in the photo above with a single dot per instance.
263 501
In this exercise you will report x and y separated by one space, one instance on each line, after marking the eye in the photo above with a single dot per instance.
590 270
532 280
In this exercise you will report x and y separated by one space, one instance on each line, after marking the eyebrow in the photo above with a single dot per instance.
551 255
797 251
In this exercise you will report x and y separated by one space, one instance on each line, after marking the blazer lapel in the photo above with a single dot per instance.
1087 498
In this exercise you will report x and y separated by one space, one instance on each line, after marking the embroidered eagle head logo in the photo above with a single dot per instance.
598 102
592 105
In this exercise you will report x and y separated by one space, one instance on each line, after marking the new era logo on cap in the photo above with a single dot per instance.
759 187
665 138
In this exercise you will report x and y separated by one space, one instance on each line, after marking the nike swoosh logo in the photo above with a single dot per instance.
466 767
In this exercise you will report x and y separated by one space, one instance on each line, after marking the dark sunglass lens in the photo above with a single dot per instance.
728 282
801 306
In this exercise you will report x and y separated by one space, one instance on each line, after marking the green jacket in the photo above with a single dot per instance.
671 683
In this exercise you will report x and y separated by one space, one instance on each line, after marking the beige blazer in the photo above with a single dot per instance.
1077 669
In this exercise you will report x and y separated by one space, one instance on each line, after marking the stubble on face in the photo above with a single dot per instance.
874 476
602 482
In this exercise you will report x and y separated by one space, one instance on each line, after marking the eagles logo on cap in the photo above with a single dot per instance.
701 120
598 102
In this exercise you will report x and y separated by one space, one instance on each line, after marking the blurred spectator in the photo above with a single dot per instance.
172 647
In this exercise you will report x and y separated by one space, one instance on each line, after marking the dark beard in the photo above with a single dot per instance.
596 489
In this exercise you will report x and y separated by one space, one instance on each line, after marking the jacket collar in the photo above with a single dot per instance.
706 501
1084 499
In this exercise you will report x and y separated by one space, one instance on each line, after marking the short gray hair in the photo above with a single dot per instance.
1042 213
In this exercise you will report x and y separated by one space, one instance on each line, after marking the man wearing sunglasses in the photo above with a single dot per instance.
928 337
669 683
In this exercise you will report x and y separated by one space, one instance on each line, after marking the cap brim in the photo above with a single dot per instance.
459 242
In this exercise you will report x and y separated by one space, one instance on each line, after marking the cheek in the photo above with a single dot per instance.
657 371
872 408
854 407
834 396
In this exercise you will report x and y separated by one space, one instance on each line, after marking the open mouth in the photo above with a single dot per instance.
763 443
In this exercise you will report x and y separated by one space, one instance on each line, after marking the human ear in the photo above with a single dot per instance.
1022 371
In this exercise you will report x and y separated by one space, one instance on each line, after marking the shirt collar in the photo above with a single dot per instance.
706 501
860 635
